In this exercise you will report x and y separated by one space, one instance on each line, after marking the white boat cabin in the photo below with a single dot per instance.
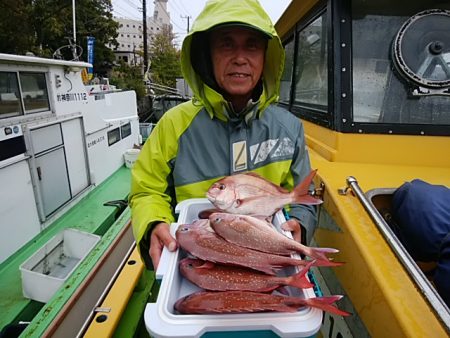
58 139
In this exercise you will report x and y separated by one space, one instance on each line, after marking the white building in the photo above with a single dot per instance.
131 33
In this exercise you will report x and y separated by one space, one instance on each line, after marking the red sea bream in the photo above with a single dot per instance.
254 233
207 302
202 242
251 194
215 277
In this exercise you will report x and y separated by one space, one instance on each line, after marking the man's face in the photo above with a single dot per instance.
238 60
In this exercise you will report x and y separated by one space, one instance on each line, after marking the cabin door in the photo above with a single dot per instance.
53 181
60 165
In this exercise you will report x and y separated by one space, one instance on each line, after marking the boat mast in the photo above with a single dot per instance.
74 45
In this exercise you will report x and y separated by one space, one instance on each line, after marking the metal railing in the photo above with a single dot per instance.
419 278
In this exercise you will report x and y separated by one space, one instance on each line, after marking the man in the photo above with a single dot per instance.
233 61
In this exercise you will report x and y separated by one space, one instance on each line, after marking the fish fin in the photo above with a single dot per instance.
319 253
206 265
299 280
267 219
270 270
250 173
301 191
282 290
326 304
308 200
243 201
327 262
273 185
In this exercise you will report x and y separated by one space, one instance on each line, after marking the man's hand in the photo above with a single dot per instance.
294 226
160 237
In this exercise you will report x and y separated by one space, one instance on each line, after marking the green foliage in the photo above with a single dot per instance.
128 77
165 59
16 32
42 26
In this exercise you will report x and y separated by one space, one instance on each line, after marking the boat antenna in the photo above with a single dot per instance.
74 45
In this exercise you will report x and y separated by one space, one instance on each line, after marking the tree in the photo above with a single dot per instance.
42 26
128 77
165 59
16 38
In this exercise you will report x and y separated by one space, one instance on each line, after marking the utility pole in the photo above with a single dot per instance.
144 24
186 17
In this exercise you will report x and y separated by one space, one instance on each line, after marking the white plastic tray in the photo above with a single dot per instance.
162 321
49 267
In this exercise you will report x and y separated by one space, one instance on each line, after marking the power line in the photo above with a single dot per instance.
184 8
125 10
178 9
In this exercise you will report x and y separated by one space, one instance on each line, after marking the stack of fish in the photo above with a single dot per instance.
238 252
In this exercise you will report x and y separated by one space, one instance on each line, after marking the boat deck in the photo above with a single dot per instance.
89 215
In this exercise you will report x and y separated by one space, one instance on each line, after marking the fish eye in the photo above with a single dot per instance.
184 229
222 186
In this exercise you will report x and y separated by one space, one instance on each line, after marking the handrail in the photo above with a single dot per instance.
422 282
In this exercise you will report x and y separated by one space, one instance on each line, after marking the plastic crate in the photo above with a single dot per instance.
49 267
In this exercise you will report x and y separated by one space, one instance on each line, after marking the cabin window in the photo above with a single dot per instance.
34 92
113 136
311 71
125 130
23 87
286 79
9 95
382 91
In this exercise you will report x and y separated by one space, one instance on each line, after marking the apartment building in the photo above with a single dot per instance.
131 33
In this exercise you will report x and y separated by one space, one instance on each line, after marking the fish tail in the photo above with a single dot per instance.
299 280
301 191
320 253
326 304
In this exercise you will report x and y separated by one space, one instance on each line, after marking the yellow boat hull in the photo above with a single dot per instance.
383 294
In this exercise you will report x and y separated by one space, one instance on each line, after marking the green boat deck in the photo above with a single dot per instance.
89 215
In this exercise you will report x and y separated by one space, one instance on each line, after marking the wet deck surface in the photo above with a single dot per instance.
89 215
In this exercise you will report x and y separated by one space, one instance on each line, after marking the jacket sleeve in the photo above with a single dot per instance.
150 198
300 168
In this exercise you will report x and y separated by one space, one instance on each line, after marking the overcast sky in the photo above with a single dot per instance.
180 9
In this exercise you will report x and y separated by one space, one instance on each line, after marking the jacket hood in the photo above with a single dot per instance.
218 12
